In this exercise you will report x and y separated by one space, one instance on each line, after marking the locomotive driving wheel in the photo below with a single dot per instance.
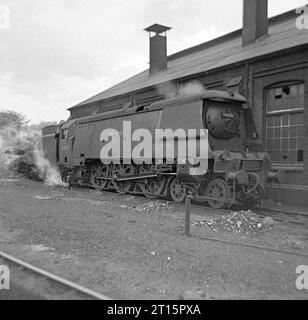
98 170
154 188
148 188
177 191
123 170
159 185
218 189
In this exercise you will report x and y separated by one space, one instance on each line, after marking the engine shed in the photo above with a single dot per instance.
266 61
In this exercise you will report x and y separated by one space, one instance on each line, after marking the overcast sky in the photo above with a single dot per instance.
57 53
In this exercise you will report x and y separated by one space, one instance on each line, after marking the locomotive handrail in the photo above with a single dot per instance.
135 177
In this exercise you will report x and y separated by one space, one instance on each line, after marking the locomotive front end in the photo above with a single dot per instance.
238 163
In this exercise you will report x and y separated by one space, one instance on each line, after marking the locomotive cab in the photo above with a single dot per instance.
66 142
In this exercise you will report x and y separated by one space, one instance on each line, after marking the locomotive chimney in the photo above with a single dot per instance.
158 47
255 21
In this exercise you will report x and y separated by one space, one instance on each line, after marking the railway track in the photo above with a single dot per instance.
292 217
280 215
299 218
55 279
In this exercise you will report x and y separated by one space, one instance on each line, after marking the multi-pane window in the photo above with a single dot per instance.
284 123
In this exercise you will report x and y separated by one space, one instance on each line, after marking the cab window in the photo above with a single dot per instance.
64 133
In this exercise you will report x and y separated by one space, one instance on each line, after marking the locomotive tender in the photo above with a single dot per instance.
238 165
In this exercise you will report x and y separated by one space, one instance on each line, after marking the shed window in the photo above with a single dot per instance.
284 123
235 84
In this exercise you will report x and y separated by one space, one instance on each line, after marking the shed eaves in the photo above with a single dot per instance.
283 34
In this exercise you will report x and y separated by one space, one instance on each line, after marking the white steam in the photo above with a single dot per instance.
171 90
50 174
167 90
25 145
193 87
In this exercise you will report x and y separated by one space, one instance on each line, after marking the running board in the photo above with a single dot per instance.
135 177
128 178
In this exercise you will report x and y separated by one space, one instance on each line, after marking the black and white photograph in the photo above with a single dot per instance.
154 153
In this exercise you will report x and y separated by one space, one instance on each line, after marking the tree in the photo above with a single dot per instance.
42 124
9 117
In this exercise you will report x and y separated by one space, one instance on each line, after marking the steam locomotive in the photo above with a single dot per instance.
237 164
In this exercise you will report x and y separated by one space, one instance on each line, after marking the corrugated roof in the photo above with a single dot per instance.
214 54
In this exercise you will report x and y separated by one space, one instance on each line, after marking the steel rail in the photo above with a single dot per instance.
55 278
277 210
236 243
201 203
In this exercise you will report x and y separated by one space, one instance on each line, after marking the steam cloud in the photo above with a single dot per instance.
170 90
193 87
24 145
